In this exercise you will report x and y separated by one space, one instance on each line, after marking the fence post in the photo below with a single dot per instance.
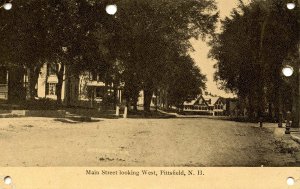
125 112
117 111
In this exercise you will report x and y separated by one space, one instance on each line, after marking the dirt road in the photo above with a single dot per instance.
139 142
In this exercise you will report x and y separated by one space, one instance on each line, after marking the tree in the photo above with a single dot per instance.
147 32
22 38
185 82
250 50
145 38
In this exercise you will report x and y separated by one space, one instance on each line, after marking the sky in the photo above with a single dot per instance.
202 49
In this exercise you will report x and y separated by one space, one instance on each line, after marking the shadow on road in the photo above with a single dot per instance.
74 121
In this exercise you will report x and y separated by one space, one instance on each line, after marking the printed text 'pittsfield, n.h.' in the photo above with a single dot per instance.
145 172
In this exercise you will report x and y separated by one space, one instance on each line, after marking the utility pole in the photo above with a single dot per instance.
298 63
298 68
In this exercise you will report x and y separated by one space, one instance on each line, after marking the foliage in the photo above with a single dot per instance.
144 41
150 35
250 50
184 82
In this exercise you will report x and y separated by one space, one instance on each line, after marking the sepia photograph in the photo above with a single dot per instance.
150 83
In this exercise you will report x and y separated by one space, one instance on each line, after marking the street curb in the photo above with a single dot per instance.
34 113
295 138
10 116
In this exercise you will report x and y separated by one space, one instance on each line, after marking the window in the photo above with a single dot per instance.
219 107
51 89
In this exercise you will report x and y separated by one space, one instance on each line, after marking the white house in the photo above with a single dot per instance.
85 90
206 104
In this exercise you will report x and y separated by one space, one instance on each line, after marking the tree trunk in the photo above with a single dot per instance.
116 102
278 96
16 91
135 107
135 98
127 98
261 95
270 113
92 97
33 75
159 104
147 99
59 92
60 77
134 103
29 84
166 100
251 108
67 85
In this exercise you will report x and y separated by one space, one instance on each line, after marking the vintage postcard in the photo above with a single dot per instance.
149 93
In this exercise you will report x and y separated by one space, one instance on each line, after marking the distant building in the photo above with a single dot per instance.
206 105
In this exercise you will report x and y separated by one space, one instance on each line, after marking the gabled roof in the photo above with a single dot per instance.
190 103
213 99
208 99
193 102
